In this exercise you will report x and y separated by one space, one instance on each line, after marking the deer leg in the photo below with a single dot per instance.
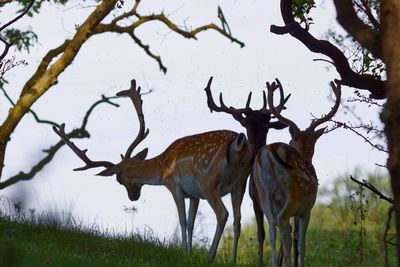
258 213
303 224
272 238
180 204
194 205
236 199
296 242
286 237
280 256
221 213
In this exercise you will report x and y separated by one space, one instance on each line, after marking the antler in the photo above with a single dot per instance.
134 95
80 153
247 109
213 107
336 88
282 100
276 110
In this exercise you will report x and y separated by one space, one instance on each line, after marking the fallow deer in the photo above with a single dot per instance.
286 179
257 124
203 166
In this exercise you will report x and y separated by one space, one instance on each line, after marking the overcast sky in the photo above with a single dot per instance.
176 107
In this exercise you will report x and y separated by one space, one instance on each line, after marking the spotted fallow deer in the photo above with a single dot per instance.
257 124
286 179
203 166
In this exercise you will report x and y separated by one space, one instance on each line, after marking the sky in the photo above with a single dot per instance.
176 107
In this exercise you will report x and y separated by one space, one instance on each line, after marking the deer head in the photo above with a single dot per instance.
304 140
256 122
120 169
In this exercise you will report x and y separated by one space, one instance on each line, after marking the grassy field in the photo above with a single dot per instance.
24 244
346 231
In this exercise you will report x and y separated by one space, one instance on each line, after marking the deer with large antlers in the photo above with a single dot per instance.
257 124
286 180
203 166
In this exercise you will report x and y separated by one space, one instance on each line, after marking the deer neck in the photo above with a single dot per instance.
145 171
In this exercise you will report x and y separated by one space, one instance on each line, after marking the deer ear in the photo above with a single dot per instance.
142 154
277 125
110 171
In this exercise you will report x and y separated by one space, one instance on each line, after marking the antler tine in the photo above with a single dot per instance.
80 153
264 106
248 101
276 110
283 100
134 95
336 88
223 108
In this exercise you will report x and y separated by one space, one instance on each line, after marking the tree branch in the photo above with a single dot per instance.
371 187
18 17
38 120
141 19
43 79
80 132
362 33
350 78
7 44
339 124
146 48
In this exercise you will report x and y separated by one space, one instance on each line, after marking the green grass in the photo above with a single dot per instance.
26 244
347 231
328 245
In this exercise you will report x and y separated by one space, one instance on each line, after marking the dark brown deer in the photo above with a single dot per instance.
286 179
257 124
203 166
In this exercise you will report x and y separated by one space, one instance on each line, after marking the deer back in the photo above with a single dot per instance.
281 171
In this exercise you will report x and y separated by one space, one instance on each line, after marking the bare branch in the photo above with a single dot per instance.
38 120
146 48
19 16
371 187
113 26
348 126
7 44
80 132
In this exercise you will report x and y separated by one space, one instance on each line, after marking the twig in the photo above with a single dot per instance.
129 29
371 187
7 44
353 129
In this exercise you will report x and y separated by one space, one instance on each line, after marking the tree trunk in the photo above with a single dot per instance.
391 113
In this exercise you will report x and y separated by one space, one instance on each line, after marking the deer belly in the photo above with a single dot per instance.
189 187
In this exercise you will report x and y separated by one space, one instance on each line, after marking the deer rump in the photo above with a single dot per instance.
281 172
